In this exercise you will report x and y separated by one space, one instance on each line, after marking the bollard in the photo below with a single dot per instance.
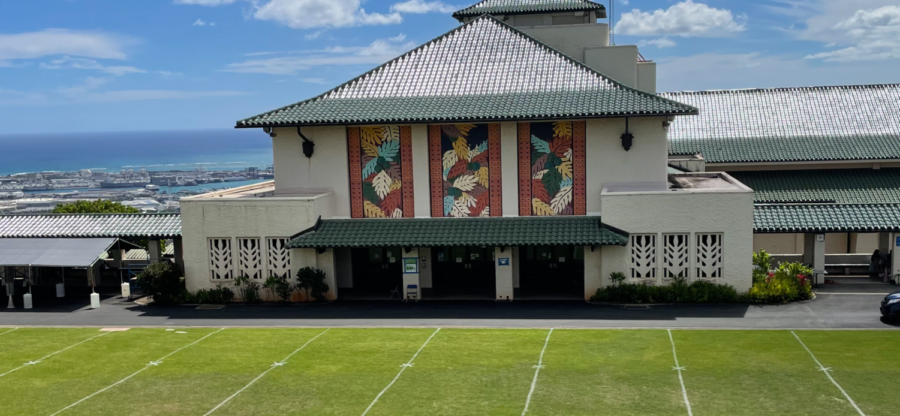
126 290
95 300
60 290
26 299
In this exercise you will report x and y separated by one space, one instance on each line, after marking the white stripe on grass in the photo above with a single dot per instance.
402 369
537 370
151 364
38 361
827 371
272 367
11 330
680 377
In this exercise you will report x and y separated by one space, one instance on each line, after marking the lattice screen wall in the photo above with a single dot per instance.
278 257
709 256
250 262
676 259
220 259
643 256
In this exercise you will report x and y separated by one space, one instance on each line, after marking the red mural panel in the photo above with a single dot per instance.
524 137
406 167
579 162
436 171
496 177
356 197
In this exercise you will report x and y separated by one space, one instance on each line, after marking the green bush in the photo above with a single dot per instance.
164 282
678 291
279 286
762 264
311 281
218 295
789 283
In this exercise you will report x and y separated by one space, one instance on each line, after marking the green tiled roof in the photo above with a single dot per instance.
826 218
90 225
529 6
843 186
790 124
482 71
434 232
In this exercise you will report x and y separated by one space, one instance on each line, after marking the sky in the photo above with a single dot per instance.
134 65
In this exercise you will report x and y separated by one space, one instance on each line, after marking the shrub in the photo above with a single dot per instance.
251 293
218 295
789 283
762 264
311 281
278 285
678 291
617 277
164 281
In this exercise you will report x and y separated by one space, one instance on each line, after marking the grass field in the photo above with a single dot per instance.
343 371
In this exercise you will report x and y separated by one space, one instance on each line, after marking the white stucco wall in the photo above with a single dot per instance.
421 178
617 62
571 39
608 162
504 274
646 77
509 161
700 211
204 218
327 169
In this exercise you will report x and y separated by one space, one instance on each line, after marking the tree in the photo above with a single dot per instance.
95 207
312 282
164 282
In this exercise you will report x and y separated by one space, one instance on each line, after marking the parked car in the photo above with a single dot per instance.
890 306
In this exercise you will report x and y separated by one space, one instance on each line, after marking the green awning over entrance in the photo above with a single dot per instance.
436 232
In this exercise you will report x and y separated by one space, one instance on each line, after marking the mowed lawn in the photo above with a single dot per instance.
431 371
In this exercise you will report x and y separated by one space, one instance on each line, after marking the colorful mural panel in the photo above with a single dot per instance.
465 170
551 168
380 171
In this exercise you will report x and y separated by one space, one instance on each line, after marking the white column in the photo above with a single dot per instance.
895 257
593 277
410 267
426 267
503 265
819 256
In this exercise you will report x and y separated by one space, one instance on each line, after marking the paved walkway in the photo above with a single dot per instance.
849 309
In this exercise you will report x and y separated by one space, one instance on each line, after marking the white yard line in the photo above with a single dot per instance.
38 361
402 369
827 371
11 330
272 367
151 364
680 377
537 370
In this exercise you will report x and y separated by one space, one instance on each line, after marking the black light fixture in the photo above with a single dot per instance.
308 145
627 138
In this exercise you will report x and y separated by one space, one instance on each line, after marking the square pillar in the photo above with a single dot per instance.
818 256
593 277
895 257
179 252
503 265
153 251
411 269
117 257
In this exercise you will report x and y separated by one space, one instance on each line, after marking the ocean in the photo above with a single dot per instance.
225 149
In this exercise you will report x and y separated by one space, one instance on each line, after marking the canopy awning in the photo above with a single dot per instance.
53 252
438 232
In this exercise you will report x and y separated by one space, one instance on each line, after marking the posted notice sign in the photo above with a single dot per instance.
410 265
503 261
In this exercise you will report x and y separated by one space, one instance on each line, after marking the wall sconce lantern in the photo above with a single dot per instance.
308 145
627 138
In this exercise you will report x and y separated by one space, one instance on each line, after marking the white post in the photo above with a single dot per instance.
26 298
819 257
895 258
10 288
61 286
503 271
95 297
411 272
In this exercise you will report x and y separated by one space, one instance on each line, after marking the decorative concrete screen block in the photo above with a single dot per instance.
676 258
643 256
220 265
250 262
278 257
709 256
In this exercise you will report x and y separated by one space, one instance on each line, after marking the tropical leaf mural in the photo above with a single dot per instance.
381 171
551 169
466 170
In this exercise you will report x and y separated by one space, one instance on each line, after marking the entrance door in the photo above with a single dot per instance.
377 269
464 269
552 270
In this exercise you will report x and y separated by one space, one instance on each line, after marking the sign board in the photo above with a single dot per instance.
898 241
410 265
503 261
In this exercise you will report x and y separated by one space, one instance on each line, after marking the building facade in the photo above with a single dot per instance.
517 156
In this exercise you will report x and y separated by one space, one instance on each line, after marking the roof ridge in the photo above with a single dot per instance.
748 90
463 11
483 17
90 214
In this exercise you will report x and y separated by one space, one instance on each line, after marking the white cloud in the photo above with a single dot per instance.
68 62
314 80
421 6
210 3
170 74
314 35
89 84
682 19
49 42
377 52
660 43
875 35
199 22
306 14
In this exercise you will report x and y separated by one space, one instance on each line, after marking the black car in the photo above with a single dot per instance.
890 306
